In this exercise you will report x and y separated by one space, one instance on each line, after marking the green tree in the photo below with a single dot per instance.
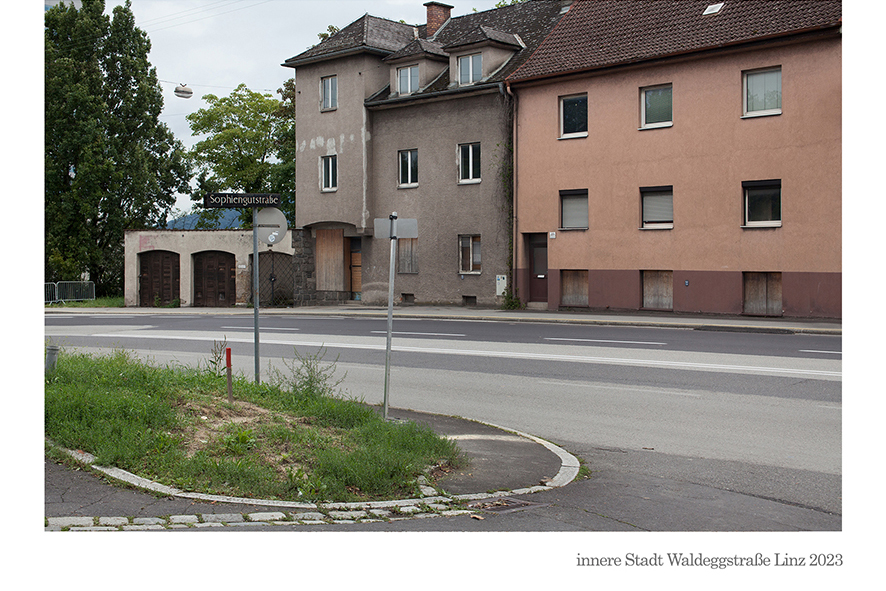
282 177
109 163
249 145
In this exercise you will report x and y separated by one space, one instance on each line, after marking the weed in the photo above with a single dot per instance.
512 300
218 359
239 442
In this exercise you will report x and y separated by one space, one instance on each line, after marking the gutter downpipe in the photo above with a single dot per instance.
514 232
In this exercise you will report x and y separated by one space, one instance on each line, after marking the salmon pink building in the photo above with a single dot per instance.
682 156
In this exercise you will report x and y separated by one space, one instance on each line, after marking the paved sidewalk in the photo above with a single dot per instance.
639 318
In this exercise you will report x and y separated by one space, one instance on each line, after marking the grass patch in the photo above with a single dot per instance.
106 302
291 439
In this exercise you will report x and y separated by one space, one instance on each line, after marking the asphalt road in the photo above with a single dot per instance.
747 415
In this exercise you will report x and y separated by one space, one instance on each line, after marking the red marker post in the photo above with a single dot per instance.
230 385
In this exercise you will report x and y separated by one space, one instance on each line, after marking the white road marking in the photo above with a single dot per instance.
263 328
814 351
420 334
604 341
621 388
672 364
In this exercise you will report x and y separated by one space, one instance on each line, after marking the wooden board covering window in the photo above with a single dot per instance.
407 255
762 294
658 290
573 288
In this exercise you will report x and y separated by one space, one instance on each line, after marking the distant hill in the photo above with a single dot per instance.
230 220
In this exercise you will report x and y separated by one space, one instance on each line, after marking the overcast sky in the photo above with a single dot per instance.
214 45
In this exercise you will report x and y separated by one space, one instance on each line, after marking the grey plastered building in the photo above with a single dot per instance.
413 119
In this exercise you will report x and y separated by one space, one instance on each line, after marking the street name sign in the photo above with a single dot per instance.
236 200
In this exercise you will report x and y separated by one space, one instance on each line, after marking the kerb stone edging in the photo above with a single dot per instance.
569 466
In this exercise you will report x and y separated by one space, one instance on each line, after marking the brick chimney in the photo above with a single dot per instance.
438 14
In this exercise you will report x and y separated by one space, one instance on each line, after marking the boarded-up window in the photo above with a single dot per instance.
407 255
762 294
658 290
330 259
573 288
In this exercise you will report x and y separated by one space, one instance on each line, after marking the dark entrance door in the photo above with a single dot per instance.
159 278
538 267
356 268
215 279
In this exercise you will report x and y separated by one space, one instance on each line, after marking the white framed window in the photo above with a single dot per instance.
407 79
762 204
469 163
656 107
574 116
657 205
470 69
408 164
329 173
469 258
574 209
328 93
761 94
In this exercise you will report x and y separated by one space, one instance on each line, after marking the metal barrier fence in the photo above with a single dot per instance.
68 291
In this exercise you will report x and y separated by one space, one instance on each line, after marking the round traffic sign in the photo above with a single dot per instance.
270 224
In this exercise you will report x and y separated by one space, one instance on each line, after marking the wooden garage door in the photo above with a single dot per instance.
159 279
215 279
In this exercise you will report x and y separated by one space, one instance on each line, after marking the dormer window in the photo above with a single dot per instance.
470 68
407 79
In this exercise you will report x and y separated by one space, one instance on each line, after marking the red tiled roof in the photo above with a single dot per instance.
600 33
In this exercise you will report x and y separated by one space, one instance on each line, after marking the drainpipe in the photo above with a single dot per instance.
515 233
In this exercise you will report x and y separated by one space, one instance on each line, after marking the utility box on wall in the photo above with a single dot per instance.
501 284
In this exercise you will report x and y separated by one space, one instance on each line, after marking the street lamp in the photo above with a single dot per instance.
182 91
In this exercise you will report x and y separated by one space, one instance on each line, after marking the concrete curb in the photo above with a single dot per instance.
432 503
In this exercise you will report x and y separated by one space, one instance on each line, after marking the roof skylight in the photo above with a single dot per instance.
713 9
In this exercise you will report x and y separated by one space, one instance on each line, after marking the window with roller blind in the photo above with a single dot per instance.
657 206
574 209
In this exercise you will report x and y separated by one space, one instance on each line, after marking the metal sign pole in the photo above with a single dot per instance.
255 295
393 218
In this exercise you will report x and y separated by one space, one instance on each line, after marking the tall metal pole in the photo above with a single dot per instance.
393 218
255 297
